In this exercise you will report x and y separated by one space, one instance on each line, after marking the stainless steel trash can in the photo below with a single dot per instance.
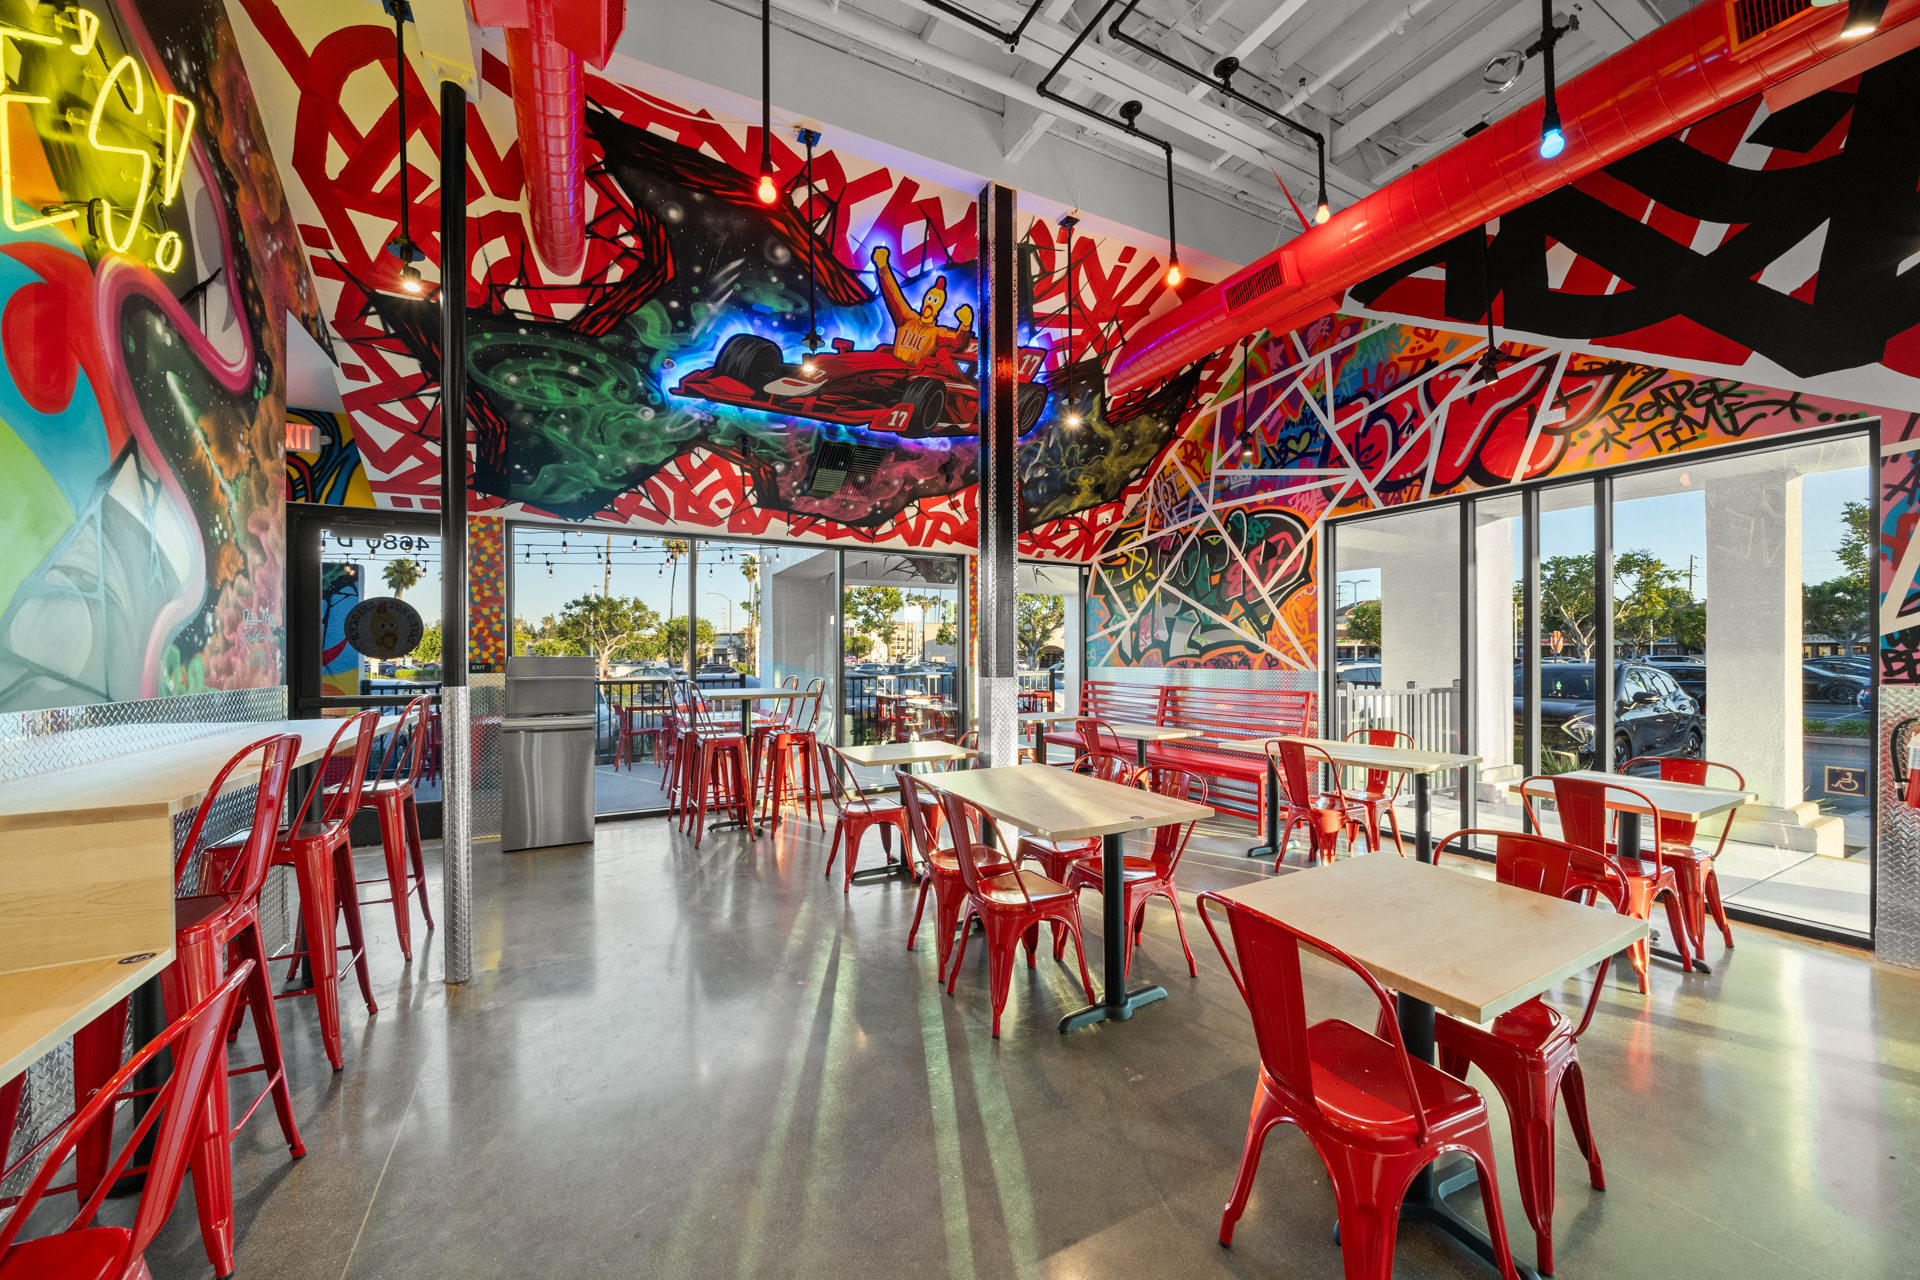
547 740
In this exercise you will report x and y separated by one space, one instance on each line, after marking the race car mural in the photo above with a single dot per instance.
923 383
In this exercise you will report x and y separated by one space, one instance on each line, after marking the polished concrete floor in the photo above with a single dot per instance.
710 1062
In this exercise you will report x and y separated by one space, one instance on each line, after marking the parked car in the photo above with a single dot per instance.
1864 699
1832 684
1652 715
1358 673
1690 676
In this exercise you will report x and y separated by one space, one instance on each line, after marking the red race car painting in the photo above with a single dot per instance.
921 384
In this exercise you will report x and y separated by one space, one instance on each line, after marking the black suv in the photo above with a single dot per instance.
1652 715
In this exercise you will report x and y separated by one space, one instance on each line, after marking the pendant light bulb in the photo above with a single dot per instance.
767 193
1552 142
1322 212
410 278
1863 18
1174 274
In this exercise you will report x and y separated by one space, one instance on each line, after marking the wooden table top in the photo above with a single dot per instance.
751 695
1064 806
1046 717
39 1008
1473 947
1151 732
1361 755
1675 799
906 752
157 781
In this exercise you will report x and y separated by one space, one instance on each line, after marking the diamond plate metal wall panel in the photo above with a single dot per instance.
1896 850
486 704
35 742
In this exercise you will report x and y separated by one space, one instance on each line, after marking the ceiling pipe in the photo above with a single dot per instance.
547 40
1395 26
1678 75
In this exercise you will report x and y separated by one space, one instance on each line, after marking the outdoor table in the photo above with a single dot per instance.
746 698
1059 805
86 881
906 753
1438 937
1421 765
1673 799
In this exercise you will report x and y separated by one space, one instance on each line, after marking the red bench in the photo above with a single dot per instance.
1219 715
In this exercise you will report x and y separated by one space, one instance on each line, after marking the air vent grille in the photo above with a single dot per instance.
1748 20
1245 290
838 461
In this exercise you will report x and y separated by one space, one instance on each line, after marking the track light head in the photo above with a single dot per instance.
1130 111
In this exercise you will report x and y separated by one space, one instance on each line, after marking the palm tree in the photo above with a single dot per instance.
401 574
750 570
675 548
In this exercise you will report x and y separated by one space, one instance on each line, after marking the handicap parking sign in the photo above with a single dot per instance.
1843 781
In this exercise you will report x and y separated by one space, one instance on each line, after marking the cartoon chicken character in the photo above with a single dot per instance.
384 629
918 336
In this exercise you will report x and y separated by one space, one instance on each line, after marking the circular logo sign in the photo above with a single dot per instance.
384 627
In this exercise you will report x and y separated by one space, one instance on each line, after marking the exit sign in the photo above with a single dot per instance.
302 437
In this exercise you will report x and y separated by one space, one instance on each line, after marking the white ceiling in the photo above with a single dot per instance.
1389 82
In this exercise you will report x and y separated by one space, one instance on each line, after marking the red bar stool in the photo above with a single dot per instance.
721 772
1011 906
391 797
177 1119
1375 1114
321 856
857 813
216 915
1693 867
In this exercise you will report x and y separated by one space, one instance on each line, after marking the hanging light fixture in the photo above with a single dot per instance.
402 245
1863 17
767 191
1552 140
813 341
1073 410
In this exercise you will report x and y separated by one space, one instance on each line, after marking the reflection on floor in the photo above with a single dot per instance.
688 1063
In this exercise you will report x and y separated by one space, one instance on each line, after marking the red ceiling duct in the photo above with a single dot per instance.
1682 73
547 40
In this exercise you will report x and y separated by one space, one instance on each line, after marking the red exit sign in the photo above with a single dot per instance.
302 437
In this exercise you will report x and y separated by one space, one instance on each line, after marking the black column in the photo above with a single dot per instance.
693 606
1603 691
1529 633
456 741
1466 717
999 486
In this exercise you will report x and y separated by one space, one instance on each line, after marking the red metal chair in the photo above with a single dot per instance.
321 856
1530 1052
216 915
1584 821
1011 906
178 1119
1376 1114
719 764
939 869
391 797
1376 797
1152 876
1325 816
785 755
1693 868
1096 739
628 715
857 812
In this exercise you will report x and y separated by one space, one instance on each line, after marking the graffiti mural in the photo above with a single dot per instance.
487 595
339 662
148 268
1214 563
1774 244
668 385
331 474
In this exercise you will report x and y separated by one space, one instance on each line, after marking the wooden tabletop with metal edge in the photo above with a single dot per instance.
1440 937
1072 806
86 877
1675 799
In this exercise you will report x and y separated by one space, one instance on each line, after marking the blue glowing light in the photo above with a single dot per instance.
1552 143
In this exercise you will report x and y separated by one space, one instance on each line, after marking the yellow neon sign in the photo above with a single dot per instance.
124 82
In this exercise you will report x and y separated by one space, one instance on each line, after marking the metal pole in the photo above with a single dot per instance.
1603 690
456 743
1530 634
999 488
1464 704
693 606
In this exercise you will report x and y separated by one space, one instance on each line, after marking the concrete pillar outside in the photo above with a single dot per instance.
797 620
1753 651
1493 659
1420 611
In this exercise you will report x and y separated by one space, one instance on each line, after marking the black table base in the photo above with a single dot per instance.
1422 835
1630 848
1119 1003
